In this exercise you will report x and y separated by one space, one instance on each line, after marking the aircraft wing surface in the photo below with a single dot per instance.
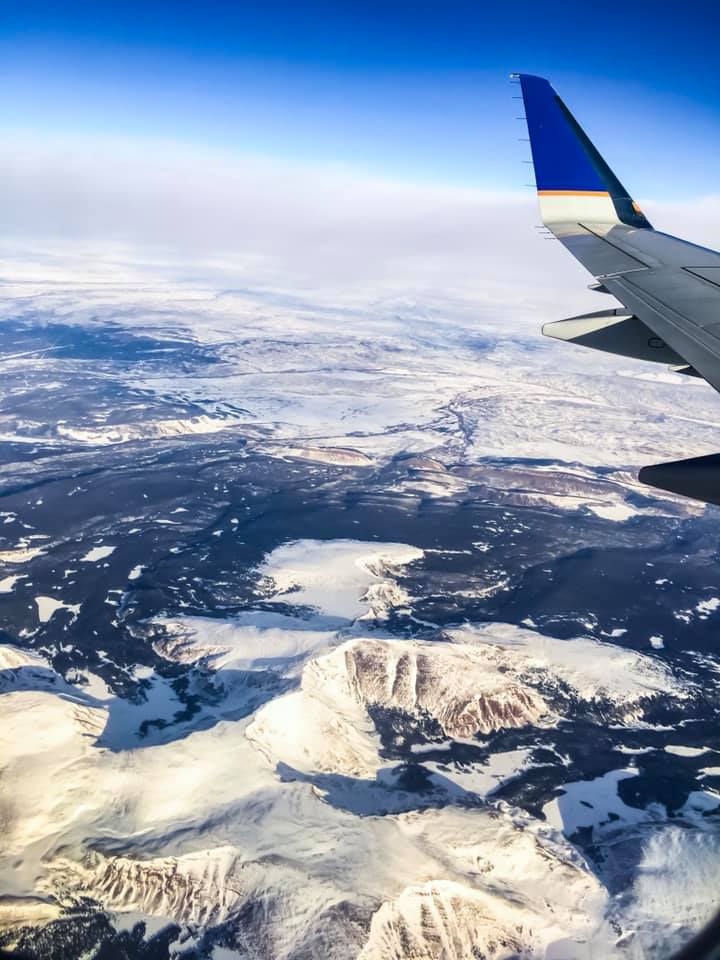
670 289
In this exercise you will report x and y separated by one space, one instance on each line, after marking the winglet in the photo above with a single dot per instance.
574 182
698 477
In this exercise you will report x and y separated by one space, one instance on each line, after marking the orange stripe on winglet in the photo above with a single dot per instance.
573 193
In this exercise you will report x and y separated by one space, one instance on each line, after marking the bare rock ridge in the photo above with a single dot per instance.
443 682
442 919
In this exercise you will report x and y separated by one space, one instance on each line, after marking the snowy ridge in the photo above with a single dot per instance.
12 658
445 919
361 861
325 726
153 430
470 908
200 888
340 456
597 673
321 727
491 684
251 641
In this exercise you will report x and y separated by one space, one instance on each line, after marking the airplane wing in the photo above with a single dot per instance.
670 289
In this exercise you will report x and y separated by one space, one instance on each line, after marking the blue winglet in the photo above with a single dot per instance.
565 159
560 161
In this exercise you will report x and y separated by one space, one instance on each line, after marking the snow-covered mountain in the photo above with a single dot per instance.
291 826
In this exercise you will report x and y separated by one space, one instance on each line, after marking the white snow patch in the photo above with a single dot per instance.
98 553
7 583
20 555
706 607
47 606
619 512
701 802
681 751
351 579
483 779
593 803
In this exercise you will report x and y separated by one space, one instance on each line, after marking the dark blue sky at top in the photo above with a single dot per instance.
410 90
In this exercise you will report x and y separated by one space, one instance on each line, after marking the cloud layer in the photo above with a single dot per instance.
330 231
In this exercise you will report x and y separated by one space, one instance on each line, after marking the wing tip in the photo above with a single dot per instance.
697 478
568 166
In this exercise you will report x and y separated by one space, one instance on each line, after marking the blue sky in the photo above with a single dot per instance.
413 90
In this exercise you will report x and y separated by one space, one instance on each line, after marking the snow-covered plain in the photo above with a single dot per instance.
461 379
